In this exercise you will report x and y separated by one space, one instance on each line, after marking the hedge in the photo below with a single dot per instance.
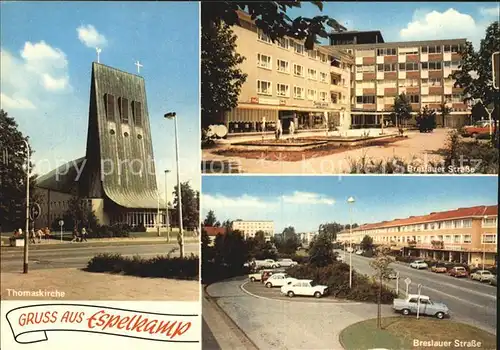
186 268
336 277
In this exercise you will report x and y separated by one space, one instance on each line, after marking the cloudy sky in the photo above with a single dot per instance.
305 202
46 54
401 21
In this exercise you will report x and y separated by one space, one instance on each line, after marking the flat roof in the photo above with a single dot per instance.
402 43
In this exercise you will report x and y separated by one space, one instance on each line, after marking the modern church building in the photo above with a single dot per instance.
117 175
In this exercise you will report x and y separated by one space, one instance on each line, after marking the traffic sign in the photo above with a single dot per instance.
35 211
61 223
407 280
495 69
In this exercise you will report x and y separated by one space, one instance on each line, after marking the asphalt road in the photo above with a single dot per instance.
469 301
76 256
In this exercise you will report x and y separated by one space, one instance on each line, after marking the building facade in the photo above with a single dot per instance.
462 235
286 82
117 177
420 69
250 228
307 237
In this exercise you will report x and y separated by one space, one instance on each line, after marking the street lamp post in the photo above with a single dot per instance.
167 219
158 212
172 115
26 234
350 200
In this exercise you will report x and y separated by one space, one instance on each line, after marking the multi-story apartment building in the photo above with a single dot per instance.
461 235
307 237
250 228
420 69
286 82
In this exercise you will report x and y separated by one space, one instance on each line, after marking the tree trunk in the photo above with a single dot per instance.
379 306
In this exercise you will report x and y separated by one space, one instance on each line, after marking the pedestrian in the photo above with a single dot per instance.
75 235
32 236
39 235
84 235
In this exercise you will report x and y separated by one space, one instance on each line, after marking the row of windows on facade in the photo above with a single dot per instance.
393 51
123 109
411 82
486 238
439 225
370 99
283 90
407 66
298 48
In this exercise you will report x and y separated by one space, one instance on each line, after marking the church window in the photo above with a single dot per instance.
123 103
110 106
137 110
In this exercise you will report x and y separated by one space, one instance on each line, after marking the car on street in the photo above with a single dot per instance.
419 264
287 262
458 271
482 276
359 252
493 281
439 268
268 273
349 250
267 263
256 276
304 288
410 304
479 128
279 280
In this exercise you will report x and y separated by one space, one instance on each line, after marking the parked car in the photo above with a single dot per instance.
279 280
410 304
478 128
458 271
482 275
419 264
304 287
359 252
256 276
268 273
439 268
287 262
493 281
267 263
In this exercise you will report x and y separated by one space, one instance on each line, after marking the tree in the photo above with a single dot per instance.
321 251
78 215
190 206
13 174
231 249
382 270
331 228
367 243
475 72
402 108
221 78
288 241
444 111
210 220
207 252
426 119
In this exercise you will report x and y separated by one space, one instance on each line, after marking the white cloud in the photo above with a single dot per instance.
90 37
307 198
51 83
8 103
224 202
450 24
490 11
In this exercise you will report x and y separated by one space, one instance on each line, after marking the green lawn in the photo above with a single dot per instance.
400 333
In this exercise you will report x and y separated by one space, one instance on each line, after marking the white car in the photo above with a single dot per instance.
340 258
287 262
349 250
359 252
419 264
268 263
482 276
279 280
304 287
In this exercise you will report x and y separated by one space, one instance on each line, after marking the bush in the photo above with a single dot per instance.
368 254
186 268
212 272
404 259
336 277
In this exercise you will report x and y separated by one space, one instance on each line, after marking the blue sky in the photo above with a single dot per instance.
47 51
305 202
401 21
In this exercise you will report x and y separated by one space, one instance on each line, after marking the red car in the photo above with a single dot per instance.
458 271
479 128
